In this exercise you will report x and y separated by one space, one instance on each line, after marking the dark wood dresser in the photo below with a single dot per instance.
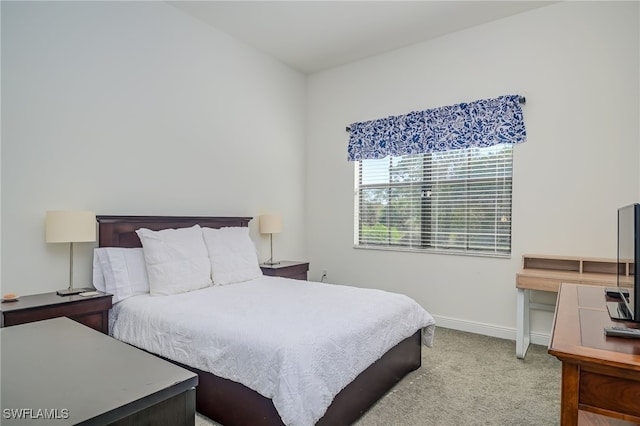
600 374
287 269
57 372
92 311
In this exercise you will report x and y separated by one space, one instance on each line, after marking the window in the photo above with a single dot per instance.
453 201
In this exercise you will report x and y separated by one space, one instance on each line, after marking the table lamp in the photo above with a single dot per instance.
70 227
270 224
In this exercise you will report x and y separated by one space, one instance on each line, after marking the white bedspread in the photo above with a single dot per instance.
298 343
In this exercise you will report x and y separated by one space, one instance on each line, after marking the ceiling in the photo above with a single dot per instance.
311 36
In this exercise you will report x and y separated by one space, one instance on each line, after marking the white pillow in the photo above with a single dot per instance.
177 260
98 274
123 270
233 255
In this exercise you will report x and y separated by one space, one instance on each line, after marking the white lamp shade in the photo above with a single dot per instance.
270 224
62 226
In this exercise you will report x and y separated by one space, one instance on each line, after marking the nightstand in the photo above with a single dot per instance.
287 269
92 311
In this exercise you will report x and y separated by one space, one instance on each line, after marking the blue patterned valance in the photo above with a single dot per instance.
481 123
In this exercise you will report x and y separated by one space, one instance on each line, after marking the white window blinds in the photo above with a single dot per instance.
458 200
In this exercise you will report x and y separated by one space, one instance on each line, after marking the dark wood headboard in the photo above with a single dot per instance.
120 231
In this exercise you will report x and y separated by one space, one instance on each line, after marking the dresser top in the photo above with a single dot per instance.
62 365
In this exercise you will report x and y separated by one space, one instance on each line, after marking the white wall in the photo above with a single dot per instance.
137 108
577 64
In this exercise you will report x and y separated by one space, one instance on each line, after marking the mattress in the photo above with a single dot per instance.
296 342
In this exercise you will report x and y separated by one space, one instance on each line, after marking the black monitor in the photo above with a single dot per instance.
628 308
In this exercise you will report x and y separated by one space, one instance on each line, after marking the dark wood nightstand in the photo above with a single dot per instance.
92 311
287 269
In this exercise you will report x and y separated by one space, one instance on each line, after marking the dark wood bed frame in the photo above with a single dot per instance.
231 403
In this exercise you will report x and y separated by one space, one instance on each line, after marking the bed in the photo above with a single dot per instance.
231 403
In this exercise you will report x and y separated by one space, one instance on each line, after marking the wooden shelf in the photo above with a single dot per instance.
546 272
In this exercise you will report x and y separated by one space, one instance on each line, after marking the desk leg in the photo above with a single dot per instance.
523 329
569 394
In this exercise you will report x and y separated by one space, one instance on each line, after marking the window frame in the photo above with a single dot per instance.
427 238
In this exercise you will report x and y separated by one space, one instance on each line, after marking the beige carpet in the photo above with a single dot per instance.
469 379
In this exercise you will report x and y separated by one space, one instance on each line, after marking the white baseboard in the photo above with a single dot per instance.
488 330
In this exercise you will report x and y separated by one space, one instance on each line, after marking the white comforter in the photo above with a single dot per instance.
298 343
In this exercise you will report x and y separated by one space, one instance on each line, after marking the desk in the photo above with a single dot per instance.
600 374
546 272
60 372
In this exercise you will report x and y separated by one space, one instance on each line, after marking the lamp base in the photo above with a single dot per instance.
271 263
72 291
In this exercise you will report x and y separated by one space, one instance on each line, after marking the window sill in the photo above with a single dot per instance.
435 251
